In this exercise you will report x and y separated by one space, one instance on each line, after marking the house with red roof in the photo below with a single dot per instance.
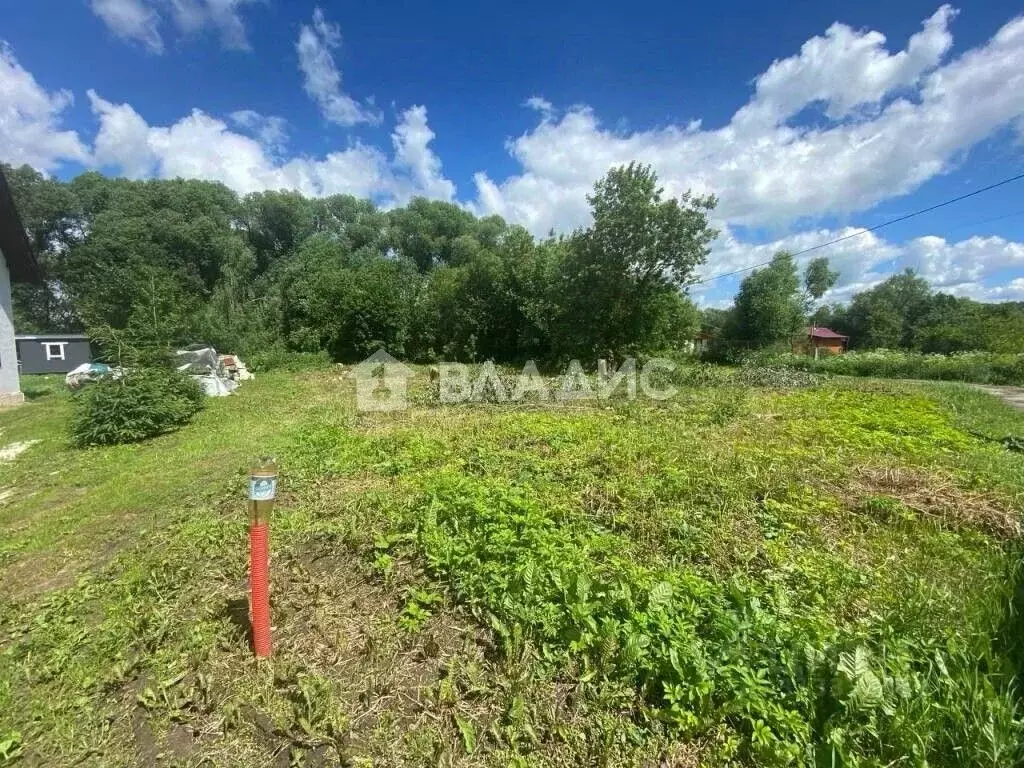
818 340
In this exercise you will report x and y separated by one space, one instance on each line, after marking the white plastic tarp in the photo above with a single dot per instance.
198 359
202 362
216 386
86 372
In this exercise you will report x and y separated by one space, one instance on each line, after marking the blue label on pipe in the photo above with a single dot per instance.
262 488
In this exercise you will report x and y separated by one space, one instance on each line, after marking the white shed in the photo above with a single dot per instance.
17 264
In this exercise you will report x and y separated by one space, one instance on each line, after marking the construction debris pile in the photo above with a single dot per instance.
89 372
219 375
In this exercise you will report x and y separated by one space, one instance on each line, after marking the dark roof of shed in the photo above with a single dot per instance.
14 244
824 333
50 336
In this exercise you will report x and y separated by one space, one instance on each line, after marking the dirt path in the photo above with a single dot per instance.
1010 395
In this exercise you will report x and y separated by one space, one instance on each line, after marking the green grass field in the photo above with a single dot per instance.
823 575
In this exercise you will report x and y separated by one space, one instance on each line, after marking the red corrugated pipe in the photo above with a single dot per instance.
262 491
259 582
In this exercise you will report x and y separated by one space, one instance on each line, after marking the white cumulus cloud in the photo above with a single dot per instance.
970 267
321 77
271 130
30 119
411 140
191 16
845 70
131 20
892 122
204 147
540 104
140 20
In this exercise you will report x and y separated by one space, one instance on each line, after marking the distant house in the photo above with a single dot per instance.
701 342
17 264
817 341
53 353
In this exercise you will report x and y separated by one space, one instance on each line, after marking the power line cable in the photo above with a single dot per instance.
985 221
864 231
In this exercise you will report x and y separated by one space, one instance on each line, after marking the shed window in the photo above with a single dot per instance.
54 349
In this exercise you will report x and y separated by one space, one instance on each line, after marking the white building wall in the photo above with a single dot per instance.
10 391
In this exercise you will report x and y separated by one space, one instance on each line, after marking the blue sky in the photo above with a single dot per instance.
870 110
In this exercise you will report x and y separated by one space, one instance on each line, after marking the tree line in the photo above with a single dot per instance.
774 306
168 262
903 312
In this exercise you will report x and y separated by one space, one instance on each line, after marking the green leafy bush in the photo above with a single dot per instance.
976 367
281 359
142 403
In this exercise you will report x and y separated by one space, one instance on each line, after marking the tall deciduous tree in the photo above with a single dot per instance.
151 255
769 308
818 279
772 306
348 303
52 217
640 246
887 315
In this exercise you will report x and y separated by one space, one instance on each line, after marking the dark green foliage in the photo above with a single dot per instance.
887 315
904 313
431 232
349 304
1013 443
901 313
160 242
184 261
140 404
180 261
281 359
621 273
818 278
50 212
769 309
712 320
277 223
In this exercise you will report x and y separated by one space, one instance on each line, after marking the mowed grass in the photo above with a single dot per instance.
823 575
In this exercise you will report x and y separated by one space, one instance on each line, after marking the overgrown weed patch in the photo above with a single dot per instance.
809 576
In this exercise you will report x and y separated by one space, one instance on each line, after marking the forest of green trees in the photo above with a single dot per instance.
904 313
177 261
173 262
900 313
